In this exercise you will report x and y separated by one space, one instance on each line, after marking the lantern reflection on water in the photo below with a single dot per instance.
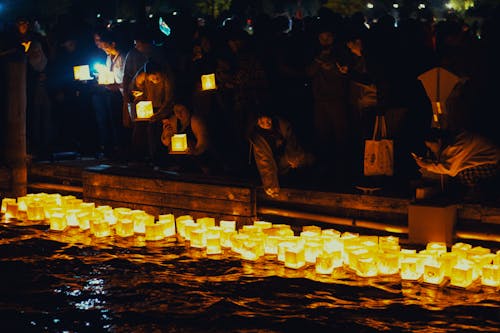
365 256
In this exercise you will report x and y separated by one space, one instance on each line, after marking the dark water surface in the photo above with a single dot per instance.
72 282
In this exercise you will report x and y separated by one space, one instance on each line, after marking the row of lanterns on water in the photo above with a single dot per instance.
326 249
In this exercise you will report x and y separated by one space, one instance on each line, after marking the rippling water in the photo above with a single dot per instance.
72 282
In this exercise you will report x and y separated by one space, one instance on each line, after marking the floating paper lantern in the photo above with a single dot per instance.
448 261
226 236
168 221
179 143
101 228
461 274
409 269
213 240
58 222
252 248
271 244
82 73
367 266
144 110
197 236
388 263
155 231
35 212
84 220
227 225
4 204
312 249
124 227
295 256
11 210
491 275
72 217
206 222
433 273
208 82
324 263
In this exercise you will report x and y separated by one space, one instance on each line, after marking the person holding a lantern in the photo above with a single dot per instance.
197 155
152 84
276 150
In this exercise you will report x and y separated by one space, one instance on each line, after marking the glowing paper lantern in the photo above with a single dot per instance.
295 257
213 240
106 77
271 244
324 263
388 263
227 225
409 269
72 217
491 275
312 249
35 211
144 110
124 227
225 237
57 222
11 210
155 231
367 266
433 273
82 73
206 222
197 236
208 82
168 221
179 143
180 224
461 274
101 228
4 204
84 220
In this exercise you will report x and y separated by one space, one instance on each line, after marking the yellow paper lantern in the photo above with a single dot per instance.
144 110
388 263
4 204
324 263
179 143
82 73
155 231
208 82
491 275
295 257
106 77
57 222
461 274
101 228
213 240
124 227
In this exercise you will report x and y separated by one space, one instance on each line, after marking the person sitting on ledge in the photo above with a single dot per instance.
276 150
198 156
471 160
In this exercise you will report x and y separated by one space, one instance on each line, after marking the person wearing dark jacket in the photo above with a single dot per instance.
276 150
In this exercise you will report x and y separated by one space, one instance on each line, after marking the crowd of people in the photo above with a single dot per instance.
294 99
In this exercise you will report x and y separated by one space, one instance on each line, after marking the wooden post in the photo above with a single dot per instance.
15 141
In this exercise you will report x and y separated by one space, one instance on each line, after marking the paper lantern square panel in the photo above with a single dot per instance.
82 73
208 82
144 110
179 143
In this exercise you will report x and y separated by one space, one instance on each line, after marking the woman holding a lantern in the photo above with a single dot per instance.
194 153
154 85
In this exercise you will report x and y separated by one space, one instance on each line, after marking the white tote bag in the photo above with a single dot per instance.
379 151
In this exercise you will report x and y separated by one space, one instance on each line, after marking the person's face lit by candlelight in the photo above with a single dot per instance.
265 122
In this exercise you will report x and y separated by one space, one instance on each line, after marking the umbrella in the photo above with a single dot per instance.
438 83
